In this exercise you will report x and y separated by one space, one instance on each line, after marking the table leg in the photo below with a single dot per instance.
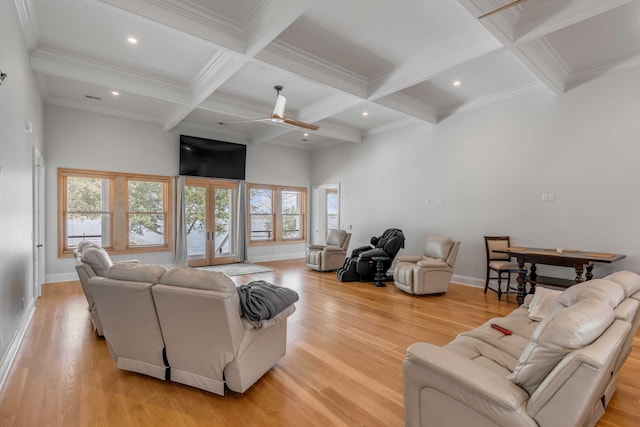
522 289
589 271
532 278
579 271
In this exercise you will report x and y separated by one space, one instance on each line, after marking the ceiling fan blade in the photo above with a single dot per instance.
501 8
300 124
265 119
278 110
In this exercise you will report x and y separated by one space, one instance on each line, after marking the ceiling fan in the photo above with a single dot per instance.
278 115
501 8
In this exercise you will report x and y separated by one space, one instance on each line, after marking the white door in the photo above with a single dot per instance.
38 223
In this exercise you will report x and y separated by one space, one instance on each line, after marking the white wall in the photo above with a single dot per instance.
490 165
86 140
20 102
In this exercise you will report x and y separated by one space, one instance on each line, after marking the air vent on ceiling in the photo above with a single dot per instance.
97 98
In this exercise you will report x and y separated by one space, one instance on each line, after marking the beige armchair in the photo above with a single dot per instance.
430 272
330 256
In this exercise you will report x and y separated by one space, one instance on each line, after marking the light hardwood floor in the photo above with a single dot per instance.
346 344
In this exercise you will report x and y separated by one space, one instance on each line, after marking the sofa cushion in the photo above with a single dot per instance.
543 303
629 281
198 279
132 272
556 336
97 258
438 246
602 289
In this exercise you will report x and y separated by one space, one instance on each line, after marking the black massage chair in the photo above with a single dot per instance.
360 266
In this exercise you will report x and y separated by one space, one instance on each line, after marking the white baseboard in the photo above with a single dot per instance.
275 257
14 345
469 281
60 277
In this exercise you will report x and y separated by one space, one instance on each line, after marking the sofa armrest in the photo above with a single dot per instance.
409 258
433 263
316 247
334 249
461 373
264 324
127 261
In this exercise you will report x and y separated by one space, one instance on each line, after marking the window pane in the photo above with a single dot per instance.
262 227
146 229
92 227
195 200
146 213
260 201
292 226
291 202
87 211
145 196
332 222
87 194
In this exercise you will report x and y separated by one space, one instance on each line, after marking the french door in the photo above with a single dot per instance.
211 212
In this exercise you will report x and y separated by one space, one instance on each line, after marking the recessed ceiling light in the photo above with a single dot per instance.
132 40
365 114
115 93
305 134
456 83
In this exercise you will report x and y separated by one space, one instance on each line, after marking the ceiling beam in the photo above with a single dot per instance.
61 64
434 62
188 18
410 106
271 19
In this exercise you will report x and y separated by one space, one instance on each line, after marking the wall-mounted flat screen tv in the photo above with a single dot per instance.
211 158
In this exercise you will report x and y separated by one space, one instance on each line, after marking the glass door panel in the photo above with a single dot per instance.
210 221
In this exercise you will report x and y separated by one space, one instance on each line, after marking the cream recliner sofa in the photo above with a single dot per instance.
92 260
557 371
430 272
330 256
185 325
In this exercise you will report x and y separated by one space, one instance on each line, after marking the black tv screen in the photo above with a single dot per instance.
211 158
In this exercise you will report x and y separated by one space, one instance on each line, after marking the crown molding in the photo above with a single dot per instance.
62 64
576 79
187 17
327 107
542 59
213 132
492 98
102 110
297 61
448 55
235 106
392 126
27 17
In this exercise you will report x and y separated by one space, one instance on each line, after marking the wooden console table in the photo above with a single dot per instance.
579 260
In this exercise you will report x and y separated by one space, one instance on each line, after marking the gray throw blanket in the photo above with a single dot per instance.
261 300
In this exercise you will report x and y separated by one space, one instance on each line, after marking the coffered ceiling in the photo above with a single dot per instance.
199 65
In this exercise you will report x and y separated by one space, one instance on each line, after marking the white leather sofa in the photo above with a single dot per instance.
92 260
187 326
430 272
557 371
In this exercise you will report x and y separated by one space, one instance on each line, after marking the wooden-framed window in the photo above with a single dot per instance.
277 214
121 212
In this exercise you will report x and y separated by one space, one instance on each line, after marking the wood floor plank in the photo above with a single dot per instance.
343 366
